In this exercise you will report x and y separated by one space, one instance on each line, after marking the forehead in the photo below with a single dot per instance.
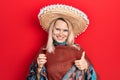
61 24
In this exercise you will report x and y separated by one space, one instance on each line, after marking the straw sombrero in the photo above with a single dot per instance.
76 17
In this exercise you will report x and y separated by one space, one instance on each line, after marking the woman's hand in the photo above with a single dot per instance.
41 60
82 63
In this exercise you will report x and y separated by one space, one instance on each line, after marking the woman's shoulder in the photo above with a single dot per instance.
77 46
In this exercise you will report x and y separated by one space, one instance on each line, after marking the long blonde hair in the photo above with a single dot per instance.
70 40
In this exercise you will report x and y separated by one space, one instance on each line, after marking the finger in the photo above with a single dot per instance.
77 64
78 61
43 60
79 67
42 55
83 55
40 59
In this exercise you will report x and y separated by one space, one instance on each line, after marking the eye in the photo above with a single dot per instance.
57 29
65 30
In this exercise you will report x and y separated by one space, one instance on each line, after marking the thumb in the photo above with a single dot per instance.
83 55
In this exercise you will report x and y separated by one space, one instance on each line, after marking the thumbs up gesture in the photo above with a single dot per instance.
82 63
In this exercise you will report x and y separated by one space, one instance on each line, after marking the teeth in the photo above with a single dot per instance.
60 37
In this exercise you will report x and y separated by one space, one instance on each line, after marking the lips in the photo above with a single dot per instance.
60 38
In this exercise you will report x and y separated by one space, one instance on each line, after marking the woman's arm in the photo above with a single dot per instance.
32 72
38 73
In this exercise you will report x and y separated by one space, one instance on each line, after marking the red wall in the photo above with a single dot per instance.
21 35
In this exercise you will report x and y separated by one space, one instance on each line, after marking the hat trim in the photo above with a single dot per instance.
63 7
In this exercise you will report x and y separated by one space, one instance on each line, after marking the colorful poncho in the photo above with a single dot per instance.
60 66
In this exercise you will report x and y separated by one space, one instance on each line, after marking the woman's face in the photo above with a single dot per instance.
60 31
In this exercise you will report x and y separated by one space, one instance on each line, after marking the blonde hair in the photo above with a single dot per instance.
70 40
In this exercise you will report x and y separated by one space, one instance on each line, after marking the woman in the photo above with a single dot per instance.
61 58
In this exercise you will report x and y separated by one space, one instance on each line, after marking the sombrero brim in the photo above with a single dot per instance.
79 23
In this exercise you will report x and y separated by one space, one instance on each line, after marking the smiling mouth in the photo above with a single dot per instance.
60 38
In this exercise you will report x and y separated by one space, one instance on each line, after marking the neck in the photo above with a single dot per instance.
59 43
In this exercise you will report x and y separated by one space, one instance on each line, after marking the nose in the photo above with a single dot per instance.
61 33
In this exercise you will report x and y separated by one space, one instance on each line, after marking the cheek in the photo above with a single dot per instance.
55 32
66 34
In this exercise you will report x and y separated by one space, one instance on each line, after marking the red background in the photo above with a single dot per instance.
21 35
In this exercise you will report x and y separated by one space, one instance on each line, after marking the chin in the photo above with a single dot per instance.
60 41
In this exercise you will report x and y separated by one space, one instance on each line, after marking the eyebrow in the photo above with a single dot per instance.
58 27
